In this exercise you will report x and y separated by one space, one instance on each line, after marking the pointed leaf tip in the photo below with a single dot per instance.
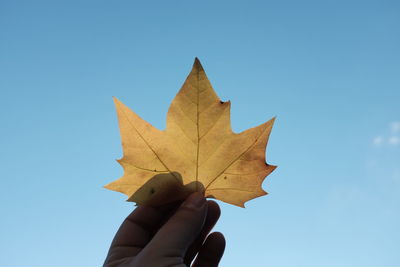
197 64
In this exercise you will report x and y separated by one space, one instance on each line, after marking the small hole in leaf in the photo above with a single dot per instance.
152 191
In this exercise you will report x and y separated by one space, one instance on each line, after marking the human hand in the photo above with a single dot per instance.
169 236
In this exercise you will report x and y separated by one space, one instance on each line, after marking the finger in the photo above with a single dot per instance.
176 235
137 227
124 262
213 214
136 231
211 252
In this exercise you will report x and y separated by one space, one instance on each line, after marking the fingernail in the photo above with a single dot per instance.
195 200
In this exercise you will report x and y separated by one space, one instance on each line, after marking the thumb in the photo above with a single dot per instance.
179 232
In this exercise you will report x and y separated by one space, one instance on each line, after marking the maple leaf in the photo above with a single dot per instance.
196 152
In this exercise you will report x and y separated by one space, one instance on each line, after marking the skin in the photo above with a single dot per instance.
169 236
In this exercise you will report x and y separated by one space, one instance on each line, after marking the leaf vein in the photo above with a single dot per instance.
250 173
127 118
227 188
144 169
233 161
215 122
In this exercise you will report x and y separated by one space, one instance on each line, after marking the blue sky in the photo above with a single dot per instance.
329 71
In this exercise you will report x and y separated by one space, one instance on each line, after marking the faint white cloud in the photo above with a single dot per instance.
346 194
392 138
378 140
396 176
395 127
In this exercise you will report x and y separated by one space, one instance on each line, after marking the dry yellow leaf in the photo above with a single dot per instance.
196 152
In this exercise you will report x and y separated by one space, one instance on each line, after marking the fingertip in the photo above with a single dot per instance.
213 207
217 238
195 201
212 250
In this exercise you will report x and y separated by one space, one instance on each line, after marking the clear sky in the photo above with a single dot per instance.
329 71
